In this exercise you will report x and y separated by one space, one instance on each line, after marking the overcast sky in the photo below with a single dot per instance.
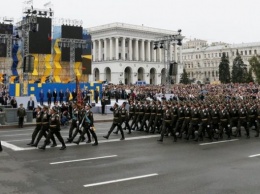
231 21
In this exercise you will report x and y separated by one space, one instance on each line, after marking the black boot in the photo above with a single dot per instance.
77 142
63 147
43 146
107 136
123 136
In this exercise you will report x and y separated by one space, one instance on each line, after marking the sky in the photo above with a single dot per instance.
230 21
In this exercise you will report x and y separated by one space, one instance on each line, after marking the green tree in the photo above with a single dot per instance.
238 70
224 72
255 65
184 78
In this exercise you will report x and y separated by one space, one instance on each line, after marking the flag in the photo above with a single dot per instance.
79 96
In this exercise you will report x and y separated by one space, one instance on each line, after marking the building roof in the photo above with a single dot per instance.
117 25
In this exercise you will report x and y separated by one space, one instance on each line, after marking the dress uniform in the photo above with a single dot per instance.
38 125
151 125
146 116
88 126
74 122
224 121
116 122
194 120
242 121
204 124
54 129
214 119
166 123
45 119
252 116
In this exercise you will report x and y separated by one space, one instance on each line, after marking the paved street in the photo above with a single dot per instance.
137 165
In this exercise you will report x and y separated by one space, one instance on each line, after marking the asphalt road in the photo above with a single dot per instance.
138 164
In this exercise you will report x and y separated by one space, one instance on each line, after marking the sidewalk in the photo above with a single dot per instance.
98 118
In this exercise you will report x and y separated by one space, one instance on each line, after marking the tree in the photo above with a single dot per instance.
238 70
224 72
249 76
255 65
184 78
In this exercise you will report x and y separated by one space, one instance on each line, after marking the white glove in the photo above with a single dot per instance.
77 122
80 126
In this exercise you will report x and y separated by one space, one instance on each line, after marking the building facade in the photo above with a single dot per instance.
201 61
124 53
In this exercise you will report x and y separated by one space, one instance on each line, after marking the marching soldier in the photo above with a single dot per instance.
124 116
116 122
158 117
146 116
252 116
186 122
224 120
88 126
257 120
166 124
151 125
194 120
214 116
234 115
54 129
140 116
173 131
179 123
242 121
204 123
45 119
136 114
38 125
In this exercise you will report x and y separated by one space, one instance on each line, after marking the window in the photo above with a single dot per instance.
216 54
205 56
250 53
245 52
196 56
199 56
255 52
209 55
233 53
219 54
119 42
241 52
212 54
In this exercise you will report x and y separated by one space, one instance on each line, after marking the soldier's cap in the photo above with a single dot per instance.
39 107
124 103
54 109
45 107
116 104
21 104
88 105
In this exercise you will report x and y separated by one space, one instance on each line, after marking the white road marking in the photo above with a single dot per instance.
11 146
11 130
18 140
120 180
218 142
252 156
86 159
101 141
16 135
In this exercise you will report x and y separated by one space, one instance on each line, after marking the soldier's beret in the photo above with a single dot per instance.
88 105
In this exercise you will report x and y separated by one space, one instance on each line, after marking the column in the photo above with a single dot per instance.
123 48
94 50
99 50
136 50
130 49
175 53
105 49
111 48
154 54
148 56
160 54
142 51
116 53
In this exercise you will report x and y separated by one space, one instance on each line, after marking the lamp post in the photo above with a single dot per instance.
165 43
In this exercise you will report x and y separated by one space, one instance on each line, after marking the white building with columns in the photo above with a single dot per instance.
201 61
124 53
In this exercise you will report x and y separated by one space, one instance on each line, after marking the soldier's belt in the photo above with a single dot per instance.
181 117
214 117
39 123
251 116
116 117
153 113
159 114
175 115
45 123
131 112
123 116
204 119
53 125
147 113
140 113
223 119
168 120
194 119
187 117
242 117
